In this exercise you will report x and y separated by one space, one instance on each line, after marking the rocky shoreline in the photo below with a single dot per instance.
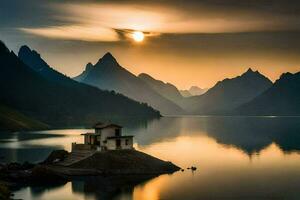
105 164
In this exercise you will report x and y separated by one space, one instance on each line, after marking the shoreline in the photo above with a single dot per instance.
115 163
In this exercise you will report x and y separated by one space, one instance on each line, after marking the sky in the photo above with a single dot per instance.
186 42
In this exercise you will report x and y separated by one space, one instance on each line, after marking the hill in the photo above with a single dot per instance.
13 120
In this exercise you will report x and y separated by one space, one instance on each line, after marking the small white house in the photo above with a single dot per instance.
106 137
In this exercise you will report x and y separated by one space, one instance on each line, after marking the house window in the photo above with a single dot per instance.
98 131
117 132
126 142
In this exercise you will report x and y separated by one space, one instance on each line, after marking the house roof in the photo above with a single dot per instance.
106 125
90 134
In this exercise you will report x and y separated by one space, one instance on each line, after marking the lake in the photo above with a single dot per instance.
236 158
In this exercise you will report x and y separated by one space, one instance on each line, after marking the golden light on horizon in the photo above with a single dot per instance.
138 36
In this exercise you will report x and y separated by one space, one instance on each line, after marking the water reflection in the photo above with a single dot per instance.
36 146
113 187
236 157
251 134
224 172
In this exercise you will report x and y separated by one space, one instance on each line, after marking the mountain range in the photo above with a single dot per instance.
283 98
228 94
235 96
31 88
193 91
108 74
34 95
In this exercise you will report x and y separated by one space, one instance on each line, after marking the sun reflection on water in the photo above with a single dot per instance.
234 159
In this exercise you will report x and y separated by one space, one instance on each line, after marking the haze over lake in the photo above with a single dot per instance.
236 157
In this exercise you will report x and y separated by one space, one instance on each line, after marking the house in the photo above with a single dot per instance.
107 136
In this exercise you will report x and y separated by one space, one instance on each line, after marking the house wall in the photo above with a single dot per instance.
127 143
107 132
111 144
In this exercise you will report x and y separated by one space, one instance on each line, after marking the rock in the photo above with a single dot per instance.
55 156
120 162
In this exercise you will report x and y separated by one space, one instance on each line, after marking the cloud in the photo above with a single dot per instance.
73 32
95 21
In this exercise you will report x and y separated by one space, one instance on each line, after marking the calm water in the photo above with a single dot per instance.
236 157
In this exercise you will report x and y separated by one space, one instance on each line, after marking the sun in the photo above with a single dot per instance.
138 36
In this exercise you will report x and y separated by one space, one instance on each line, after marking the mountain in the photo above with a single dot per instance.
229 94
195 90
107 74
33 59
185 93
283 98
83 75
166 90
58 100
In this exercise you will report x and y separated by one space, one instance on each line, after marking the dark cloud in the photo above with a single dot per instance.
29 13
41 13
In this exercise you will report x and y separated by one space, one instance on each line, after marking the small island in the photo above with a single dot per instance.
105 152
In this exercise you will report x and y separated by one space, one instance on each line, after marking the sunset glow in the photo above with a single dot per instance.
138 36
194 39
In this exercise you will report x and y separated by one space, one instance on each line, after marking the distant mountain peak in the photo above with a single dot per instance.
249 70
108 60
108 55
250 73
24 48
89 66
195 90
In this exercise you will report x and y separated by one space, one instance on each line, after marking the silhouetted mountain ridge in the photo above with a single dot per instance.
33 59
229 94
166 90
3 48
59 102
283 98
107 74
